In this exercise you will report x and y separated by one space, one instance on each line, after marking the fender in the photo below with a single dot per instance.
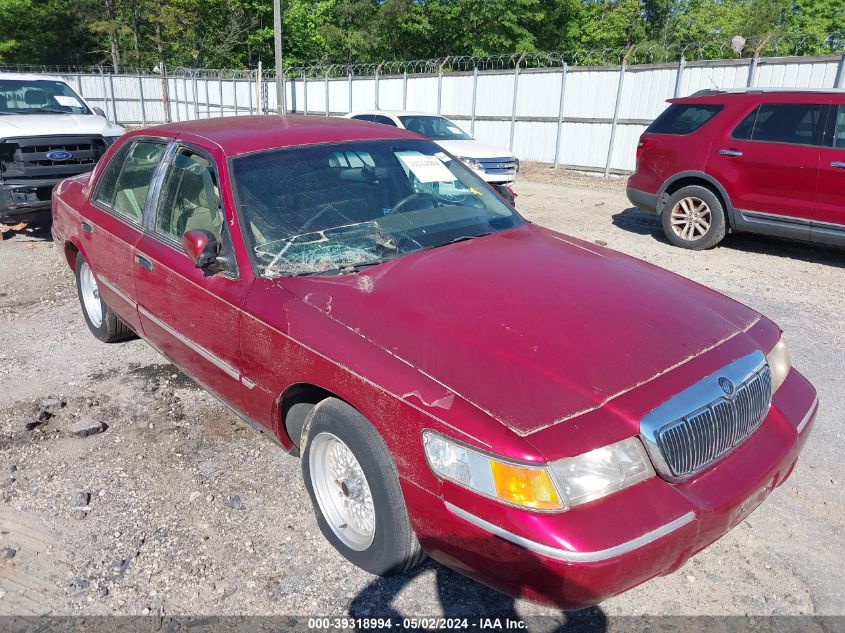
700 175
74 241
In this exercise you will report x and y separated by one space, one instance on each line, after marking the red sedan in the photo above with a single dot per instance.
553 418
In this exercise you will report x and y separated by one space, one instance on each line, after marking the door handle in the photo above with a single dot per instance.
730 152
838 163
87 228
143 262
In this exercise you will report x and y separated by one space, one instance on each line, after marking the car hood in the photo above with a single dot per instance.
12 125
530 326
474 149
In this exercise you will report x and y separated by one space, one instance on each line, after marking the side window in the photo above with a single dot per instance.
839 128
794 123
682 118
364 117
104 193
742 132
190 197
133 184
383 120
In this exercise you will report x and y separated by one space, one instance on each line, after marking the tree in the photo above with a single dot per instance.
238 33
46 32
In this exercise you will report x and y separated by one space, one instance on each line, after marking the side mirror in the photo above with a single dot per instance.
99 111
201 246
507 193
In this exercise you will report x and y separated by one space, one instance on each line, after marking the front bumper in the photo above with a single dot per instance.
581 557
496 178
26 201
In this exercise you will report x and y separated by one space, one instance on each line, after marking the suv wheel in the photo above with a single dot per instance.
693 218
354 488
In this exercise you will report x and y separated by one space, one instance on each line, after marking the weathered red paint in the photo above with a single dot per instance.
526 343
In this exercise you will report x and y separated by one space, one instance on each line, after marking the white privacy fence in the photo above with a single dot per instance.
582 117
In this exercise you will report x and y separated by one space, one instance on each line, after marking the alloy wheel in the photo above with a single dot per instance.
691 218
342 491
90 295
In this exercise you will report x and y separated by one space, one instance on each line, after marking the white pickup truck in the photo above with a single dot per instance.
47 133
495 165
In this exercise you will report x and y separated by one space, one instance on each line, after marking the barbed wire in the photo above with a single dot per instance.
647 53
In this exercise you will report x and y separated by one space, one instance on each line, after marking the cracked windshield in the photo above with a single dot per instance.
336 208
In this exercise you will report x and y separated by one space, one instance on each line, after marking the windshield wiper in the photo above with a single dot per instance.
348 269
42 111
464 238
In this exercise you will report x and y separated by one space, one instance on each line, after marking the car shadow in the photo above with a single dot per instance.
640 222
26 232
461 597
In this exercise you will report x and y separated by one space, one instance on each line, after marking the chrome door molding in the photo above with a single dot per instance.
111 286
218 362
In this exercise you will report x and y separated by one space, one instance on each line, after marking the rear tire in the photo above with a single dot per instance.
693 218
354 488
102 322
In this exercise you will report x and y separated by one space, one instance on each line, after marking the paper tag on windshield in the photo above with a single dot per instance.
428 168
68 102
454 129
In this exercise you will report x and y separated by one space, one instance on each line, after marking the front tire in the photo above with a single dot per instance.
100 319
354 489
693 218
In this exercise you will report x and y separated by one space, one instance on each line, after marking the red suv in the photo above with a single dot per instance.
762 161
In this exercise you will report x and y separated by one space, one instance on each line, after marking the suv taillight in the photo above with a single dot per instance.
642 145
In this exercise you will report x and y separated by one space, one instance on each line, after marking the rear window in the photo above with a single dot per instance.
794 123
683 118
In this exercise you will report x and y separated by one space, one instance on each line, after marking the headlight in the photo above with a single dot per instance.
471 163
602 471
520 485
779 363
556 486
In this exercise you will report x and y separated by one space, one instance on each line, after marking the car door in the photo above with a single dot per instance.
114 222
769 165
829 212
191 314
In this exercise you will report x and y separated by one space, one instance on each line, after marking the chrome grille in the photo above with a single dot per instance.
702 424
497 166
26 158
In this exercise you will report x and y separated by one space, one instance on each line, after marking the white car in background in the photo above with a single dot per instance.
495 165
47 133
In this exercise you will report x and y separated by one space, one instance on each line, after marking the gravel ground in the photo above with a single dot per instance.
172 506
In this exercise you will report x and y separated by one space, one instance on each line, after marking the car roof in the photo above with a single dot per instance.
793 94
30 77
243 134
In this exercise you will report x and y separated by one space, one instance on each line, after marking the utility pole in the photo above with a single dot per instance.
281 107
